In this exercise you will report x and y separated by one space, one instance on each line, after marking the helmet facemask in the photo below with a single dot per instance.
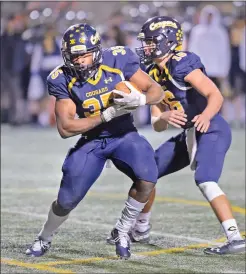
154 47
80 71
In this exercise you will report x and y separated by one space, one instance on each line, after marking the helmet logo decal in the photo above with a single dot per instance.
179 35
154 26
77 41
82 39
95 38
141 35
77 48
72 41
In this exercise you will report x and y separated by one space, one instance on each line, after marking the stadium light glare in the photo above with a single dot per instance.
70 15
134 12
81 15
47 12
34 15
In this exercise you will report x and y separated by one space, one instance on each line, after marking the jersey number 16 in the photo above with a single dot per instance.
170 101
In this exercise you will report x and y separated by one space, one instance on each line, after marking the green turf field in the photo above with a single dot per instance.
182 222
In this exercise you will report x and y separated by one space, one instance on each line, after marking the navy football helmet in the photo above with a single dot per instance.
78 40
160 36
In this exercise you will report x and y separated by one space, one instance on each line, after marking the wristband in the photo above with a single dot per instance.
154 119
142 100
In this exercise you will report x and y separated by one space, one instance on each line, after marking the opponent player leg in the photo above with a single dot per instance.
212 148
135 157
80 170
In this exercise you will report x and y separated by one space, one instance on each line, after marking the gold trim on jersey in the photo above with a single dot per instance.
179 48
173 81
98 77
155 73
71 83
105 68
167 73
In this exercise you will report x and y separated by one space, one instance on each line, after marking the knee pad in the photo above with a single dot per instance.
59 210
210 190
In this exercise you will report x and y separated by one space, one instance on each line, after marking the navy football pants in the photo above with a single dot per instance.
211 150
131 153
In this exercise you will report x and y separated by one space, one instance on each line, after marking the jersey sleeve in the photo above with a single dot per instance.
132 64
56 84
185 65
125 60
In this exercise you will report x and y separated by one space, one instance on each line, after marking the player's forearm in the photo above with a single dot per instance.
75 127
215 101
158 124
154 94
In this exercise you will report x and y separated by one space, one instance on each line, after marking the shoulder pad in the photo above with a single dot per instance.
55 73
122 58
184 62
56 83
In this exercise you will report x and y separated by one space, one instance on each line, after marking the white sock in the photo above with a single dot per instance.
51 225
133 224
142 223
129 215
231 230
144 217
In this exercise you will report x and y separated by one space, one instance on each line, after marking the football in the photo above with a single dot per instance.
123 87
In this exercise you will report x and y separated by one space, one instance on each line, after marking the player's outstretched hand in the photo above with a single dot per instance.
202 122
114 111
175 118
133 99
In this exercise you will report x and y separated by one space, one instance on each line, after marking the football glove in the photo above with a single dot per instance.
114 111
134 99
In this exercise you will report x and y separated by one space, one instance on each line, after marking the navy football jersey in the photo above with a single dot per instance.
178 93
93 96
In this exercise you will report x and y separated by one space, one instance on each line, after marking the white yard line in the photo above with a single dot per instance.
169 235
107 226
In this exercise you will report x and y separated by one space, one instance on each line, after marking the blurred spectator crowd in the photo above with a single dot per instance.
31 39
